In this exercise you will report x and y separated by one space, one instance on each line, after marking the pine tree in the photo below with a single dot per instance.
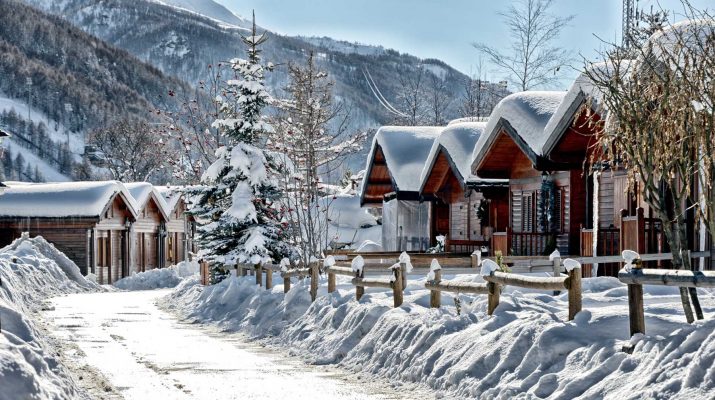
237 205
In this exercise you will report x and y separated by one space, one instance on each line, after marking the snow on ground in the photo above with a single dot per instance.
526 350
348 223
159 278
49 173
31 271
147 353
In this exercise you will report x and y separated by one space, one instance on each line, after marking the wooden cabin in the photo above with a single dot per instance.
547 201
392 183
88 221
180 227
149 232
458 195
615 218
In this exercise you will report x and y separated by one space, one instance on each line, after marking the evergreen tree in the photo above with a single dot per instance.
237 206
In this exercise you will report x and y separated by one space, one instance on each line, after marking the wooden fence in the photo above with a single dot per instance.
387 271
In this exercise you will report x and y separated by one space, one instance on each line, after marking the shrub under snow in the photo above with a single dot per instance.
159 278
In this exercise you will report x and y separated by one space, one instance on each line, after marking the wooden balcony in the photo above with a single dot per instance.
464 246
522 243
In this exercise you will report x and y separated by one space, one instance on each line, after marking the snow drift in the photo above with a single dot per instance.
159 278
526 350
31 271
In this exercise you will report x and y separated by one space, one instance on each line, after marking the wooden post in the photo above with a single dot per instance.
435 296
314 281
635 308
475 261
574 292
286 284
331 282
259 274
269 278
397 285
493 299
359 290
557 272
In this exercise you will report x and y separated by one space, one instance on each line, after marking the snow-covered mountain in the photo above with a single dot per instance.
208 8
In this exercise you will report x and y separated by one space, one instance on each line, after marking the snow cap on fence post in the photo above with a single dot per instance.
405 258
285 263
570 264
632 259
357 265
478 255
329 261
434 266
489 266
554 255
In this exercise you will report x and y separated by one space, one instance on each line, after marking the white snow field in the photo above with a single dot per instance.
526 350
31 271
146 353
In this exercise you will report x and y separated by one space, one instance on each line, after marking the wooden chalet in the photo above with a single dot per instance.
614 218
88 221
392 183
547 202
180 227
457 195
148 233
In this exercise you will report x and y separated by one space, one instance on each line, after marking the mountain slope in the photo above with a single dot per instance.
208 8
182 43
69 79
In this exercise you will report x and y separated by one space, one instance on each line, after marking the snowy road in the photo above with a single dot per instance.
146 353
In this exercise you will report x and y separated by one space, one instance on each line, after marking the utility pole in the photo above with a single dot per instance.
629 22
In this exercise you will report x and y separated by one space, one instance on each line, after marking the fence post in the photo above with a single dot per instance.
475 259
435 296
574 292
269 278
359 290
493 299
314 272
397 285
331 281
259 274
286 284
557 272
635 308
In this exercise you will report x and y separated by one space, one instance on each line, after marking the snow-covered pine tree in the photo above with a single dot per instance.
237 205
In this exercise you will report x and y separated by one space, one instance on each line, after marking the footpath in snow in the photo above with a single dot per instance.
148 354
32 271
528 349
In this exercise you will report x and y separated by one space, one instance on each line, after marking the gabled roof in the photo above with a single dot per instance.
456 143
404 150
63 200
142 192
523 117
172 195
3 134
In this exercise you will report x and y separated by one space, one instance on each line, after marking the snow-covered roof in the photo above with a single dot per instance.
143 191
524 116
62 200
3 133
406 149
172 195
457 141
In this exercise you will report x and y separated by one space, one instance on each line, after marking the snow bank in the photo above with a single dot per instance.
159 278
526 350
31 271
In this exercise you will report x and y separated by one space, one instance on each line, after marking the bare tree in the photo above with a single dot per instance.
411 98
533 59
659 126
311 140
131 150
475 96
438 99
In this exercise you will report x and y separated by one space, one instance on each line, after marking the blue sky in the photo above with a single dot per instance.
442 29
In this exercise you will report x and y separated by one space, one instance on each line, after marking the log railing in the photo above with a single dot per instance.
609 244
464 246
521 243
